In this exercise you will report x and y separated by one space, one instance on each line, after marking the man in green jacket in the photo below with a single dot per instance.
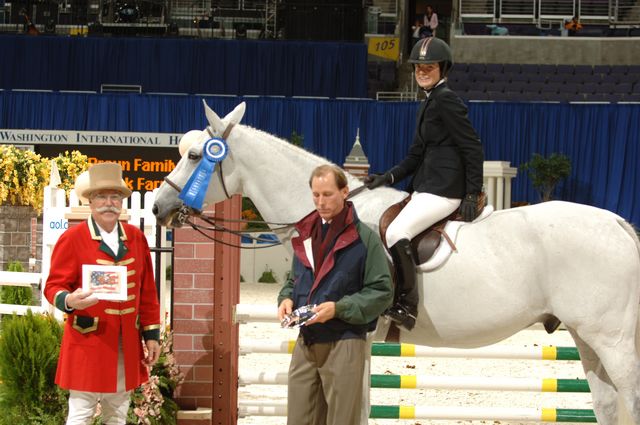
340 268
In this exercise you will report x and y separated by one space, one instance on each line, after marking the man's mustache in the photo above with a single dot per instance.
108 208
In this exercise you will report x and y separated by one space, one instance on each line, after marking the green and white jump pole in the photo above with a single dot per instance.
275 408
255 313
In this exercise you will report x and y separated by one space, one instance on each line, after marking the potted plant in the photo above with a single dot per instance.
546 173
268 276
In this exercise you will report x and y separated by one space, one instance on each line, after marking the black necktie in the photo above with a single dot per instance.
325 229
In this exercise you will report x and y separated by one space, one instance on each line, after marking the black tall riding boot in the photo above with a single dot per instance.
405 308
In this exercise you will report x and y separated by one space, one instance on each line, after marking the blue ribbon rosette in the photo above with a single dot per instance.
192 195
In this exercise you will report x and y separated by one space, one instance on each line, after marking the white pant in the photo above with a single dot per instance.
115 406
82 407
423 210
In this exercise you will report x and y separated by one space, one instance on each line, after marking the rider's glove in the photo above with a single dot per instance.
376 180
468 207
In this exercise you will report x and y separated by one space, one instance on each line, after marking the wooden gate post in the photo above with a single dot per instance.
225 339
206 290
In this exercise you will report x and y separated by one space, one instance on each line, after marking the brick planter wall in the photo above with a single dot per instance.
16 236
206 287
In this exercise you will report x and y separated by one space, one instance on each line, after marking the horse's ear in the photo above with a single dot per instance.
236 115
214 120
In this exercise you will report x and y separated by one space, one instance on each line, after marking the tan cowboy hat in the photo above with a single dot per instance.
105 176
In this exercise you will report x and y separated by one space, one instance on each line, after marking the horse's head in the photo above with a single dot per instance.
204 175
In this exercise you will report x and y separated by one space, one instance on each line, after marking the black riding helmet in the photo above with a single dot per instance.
432 50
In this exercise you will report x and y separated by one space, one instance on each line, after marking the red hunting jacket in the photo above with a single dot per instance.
89 353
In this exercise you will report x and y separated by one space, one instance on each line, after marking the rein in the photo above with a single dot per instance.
185 212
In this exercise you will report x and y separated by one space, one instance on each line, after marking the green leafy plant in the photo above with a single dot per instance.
268 276
296 139
20 295
546 173
29 349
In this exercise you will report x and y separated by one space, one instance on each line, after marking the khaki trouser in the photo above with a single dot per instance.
325 383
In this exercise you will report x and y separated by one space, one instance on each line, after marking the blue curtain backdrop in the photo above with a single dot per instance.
600 139
236 67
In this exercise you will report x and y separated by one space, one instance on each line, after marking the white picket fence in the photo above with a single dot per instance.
20 279
56 213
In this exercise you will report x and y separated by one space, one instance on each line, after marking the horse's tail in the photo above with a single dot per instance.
631 231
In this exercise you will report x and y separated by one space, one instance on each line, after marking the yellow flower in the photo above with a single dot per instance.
24 174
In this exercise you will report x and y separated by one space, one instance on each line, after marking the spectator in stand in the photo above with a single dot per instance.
416 30
430 21
573 26
498 30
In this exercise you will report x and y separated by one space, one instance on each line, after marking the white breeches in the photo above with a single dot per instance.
82 404
423 210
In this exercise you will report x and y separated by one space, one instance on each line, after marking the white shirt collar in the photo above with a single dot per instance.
428 92
110 238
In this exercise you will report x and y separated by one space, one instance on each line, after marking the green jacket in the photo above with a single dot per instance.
355 274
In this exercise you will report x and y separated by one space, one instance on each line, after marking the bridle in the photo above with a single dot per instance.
184 212
225 136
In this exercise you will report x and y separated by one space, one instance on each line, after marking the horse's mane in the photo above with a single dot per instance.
287 146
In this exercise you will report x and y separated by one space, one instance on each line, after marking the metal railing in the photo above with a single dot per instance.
560 9
624 11
397 96
218 19
517 9
387 7
539 11
477 8
593 9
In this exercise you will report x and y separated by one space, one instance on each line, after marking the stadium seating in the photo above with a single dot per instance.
546 83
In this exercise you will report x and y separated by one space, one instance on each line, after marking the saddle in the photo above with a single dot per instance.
426 243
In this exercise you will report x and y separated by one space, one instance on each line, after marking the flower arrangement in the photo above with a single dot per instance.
70 166
24 174
153 403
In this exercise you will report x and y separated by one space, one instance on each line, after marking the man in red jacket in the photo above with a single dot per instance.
102 358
